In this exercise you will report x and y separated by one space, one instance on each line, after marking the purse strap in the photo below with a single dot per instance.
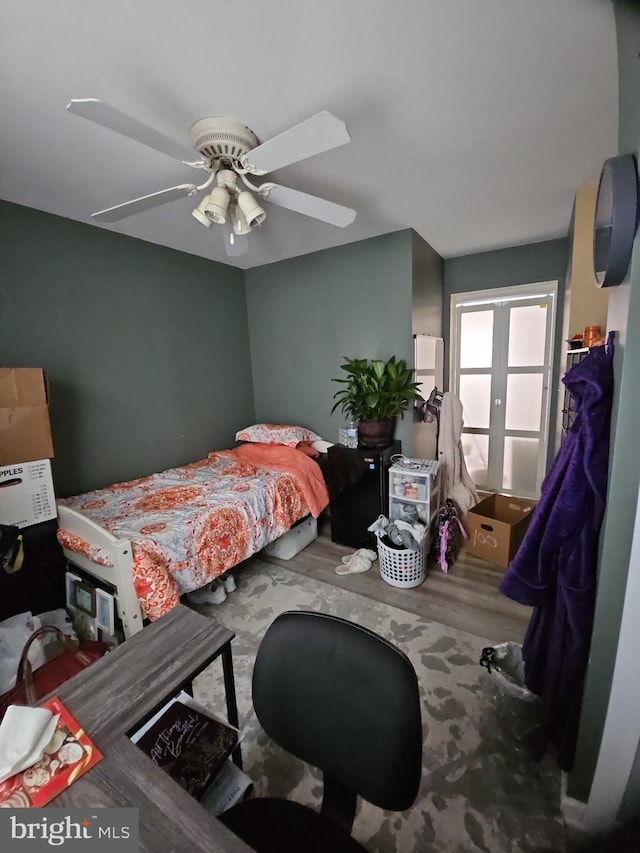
25 670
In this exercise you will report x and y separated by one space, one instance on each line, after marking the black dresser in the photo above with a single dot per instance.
358 491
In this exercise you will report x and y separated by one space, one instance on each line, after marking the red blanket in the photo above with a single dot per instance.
281 458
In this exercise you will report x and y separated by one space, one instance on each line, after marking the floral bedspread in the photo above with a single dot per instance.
190 524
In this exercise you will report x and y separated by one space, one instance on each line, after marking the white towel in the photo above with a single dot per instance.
24 734
456 483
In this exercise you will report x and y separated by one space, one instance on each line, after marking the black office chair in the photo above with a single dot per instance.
345 700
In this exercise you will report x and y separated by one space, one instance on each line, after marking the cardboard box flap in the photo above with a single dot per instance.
25 434
22 386
504 508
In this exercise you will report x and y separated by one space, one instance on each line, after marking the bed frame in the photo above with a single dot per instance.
119 576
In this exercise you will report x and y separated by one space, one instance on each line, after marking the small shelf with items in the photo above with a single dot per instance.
414 490
574 356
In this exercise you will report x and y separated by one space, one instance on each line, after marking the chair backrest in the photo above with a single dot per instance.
345 700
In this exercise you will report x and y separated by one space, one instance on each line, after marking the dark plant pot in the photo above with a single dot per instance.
376 433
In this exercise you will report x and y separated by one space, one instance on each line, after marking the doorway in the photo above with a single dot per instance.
428 354
501 363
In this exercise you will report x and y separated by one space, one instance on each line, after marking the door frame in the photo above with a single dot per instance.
500 295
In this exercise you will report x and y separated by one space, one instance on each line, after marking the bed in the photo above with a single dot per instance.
159 537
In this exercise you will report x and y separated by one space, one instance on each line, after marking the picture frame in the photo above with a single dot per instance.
84 598
69 583
105 615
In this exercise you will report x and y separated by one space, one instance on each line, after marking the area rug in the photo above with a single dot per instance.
481 788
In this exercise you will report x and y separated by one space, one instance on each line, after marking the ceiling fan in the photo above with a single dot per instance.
228 152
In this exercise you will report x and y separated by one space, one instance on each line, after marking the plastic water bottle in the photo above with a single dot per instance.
352 434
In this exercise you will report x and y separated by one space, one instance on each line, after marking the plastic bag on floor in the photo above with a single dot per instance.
59 618
505 665
517 708
14 633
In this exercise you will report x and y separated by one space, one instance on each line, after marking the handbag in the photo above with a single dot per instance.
448 535
32 686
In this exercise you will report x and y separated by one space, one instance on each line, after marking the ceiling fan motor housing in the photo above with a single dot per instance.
217 138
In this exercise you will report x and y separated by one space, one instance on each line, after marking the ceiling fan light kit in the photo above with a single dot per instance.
229 150
217 205
250 209
200 213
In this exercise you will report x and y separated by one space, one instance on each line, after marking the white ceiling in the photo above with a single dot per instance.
472 121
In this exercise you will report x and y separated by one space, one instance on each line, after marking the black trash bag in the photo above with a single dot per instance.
517 708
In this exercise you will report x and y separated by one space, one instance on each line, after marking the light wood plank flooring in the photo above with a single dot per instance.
467 598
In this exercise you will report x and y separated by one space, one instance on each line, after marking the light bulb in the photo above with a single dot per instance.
250 209
217 205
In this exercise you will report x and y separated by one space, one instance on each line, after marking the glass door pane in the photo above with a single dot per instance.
428 358
476 455
476 338
527 335
524 401
475 395
520 470
425 354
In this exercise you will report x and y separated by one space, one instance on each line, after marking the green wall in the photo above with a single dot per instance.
145 348
428 282
307 312
624 473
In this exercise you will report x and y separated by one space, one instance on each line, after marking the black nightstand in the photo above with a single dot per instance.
358 491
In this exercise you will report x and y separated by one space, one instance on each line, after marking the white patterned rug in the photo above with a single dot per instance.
480 788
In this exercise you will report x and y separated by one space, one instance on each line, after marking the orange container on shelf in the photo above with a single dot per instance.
591 335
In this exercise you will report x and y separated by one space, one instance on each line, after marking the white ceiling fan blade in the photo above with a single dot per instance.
319 133
235 244
310 205
145 202
97 111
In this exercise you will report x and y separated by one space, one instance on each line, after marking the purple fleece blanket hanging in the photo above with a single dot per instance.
554 570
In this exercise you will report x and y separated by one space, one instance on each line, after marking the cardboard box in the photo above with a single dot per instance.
26 493
25 434
496 527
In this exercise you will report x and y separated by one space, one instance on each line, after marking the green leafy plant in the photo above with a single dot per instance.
375 390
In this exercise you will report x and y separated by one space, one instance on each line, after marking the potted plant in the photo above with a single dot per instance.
375 392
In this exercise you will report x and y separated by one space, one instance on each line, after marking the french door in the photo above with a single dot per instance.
501 361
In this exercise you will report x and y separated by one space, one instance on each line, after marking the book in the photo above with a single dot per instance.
189 745
67 757
229 787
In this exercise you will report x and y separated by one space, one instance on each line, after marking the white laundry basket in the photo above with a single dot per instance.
402 567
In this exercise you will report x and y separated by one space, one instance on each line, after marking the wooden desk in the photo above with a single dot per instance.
114 695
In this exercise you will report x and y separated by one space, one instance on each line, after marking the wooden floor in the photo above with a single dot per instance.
467 598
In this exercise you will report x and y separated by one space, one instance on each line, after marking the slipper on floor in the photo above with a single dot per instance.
367 552
357 564
212 593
